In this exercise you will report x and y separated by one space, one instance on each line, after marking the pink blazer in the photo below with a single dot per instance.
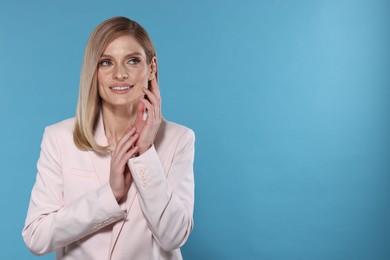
73 211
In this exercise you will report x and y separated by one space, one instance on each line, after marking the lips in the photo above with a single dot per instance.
119 88
124 88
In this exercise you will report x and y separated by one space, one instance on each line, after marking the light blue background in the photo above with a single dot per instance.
288 99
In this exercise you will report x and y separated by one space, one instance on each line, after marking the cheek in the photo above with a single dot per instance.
101 76
142 78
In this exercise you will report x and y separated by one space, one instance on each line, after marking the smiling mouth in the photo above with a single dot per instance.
121 89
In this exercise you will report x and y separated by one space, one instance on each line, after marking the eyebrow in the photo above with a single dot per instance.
127 56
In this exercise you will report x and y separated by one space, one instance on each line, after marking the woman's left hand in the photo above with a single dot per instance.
147 129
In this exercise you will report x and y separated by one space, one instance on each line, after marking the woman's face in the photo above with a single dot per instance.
123 71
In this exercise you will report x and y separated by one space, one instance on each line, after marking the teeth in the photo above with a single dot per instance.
120 88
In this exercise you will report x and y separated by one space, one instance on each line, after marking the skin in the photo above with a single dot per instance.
124 64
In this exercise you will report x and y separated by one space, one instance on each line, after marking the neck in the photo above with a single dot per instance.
116 121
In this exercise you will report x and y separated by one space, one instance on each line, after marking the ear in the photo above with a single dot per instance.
153 68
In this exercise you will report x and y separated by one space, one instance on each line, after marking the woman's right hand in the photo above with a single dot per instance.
120 176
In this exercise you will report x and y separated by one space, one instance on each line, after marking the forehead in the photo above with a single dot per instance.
125 44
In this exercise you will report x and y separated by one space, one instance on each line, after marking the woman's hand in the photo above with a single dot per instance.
148 128
120 176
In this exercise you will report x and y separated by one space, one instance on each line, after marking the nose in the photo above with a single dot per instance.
120 72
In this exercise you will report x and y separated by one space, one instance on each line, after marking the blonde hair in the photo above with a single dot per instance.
89 103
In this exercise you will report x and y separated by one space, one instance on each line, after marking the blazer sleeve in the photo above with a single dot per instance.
49 224
167 200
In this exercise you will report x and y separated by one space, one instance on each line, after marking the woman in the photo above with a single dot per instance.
116 182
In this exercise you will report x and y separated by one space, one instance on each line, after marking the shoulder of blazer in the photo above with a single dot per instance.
62 130
171 134
168 127
66 126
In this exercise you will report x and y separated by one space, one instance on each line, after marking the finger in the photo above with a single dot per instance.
128 145
149 108
156 90
130 154
125 143
156 103
128 133
154 87
151 96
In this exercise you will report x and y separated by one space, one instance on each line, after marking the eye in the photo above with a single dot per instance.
105 63
133 61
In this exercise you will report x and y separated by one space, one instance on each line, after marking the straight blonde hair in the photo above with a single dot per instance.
89 102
